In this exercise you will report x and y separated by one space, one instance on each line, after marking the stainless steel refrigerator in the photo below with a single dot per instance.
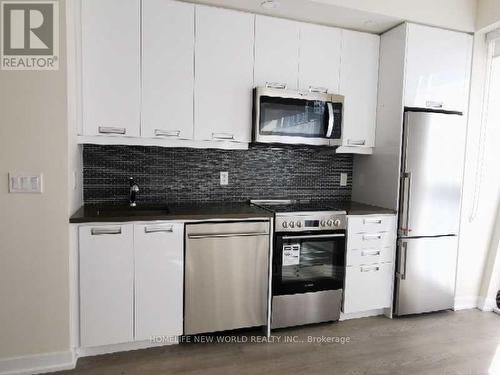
429 210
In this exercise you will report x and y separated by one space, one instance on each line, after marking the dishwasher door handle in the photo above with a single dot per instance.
226 235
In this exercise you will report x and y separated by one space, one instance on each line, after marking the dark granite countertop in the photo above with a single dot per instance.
201 211
356 208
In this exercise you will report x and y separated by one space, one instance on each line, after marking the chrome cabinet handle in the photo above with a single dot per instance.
434 104
111 130
372 221
222 136
167 133
313 236
403 252
331 119
368 237
322 90
155 229
365 253
99 231
276 85
226 235
356 142
370 268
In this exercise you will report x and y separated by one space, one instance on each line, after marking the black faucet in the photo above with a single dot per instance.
134 188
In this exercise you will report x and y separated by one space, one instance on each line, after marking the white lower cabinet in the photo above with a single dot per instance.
159 263
368 287
369 279
131 282
106 284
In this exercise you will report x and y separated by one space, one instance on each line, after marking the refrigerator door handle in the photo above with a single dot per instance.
403 250
404 229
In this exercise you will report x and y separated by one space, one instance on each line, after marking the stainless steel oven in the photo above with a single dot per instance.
297 117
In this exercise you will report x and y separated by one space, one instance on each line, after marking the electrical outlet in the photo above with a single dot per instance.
224 178
343 179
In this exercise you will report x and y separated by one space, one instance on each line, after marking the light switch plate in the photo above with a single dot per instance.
224 178
23 183
343 179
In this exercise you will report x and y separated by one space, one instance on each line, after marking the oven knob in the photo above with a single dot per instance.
284 224
323 223
336 223
299 224
330 223
291 224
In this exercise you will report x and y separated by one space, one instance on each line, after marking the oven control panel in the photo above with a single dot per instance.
319 221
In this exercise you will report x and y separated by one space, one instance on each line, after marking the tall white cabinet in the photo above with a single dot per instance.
358 84
111 67
167 69
224 74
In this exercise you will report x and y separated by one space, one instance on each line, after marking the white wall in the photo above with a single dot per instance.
488 13
34 306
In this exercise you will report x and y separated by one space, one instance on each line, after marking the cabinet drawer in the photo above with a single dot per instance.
374 240
368 287
357 257
371 223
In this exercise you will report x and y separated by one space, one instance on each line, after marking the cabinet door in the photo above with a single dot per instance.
359 84
106 284
111 67
276 51
159 270
437 68
319 61
224 74
167 69
368 287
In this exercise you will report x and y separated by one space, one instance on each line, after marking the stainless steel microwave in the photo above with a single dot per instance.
297 117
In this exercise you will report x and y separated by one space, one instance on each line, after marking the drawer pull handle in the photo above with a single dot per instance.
356 142
276 85
112 130
365 253
370 269
152 229
223 136
321 90
372 221
99 231
433 104
368 237
167 133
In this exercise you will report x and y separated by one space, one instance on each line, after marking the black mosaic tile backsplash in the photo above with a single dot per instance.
172 175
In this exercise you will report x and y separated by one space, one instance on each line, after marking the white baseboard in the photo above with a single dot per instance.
38 364
361 314
124 347
486 304
464 303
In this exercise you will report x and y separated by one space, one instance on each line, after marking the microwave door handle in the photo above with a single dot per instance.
331 120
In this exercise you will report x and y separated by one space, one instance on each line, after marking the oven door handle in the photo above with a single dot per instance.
331 120
313 236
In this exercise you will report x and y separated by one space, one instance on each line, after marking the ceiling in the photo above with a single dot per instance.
314 11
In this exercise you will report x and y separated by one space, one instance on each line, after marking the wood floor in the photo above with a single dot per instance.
464 342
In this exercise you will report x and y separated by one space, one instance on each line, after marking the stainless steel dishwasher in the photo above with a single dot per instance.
226 276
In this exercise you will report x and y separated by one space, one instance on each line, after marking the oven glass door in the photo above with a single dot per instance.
308 262
293 117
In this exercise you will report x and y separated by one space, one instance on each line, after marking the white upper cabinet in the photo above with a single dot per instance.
319 61
167 69
111 67
359 83
437 68
224 74
159 279
276 51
